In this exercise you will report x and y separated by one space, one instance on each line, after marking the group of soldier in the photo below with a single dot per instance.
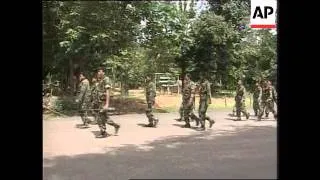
264 98
188 102
95 97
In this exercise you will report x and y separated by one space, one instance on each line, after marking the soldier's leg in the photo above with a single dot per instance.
202 113
194 117
83 114
238 110
267 112
95 113
244 109
149 114
262 109
112 123
186 116
270 108
211 121
102 124
255 107
234 110
155 120
181 112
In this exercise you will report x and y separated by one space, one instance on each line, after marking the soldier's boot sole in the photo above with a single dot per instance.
187 126
247 115
197 123
102 135
149 125
202 128
156 121
211 123
259 118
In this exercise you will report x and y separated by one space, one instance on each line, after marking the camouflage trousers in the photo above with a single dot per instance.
256 106
241 108
103 119
267 106
149 114
83 112
95 112
192 115
188 113
203 106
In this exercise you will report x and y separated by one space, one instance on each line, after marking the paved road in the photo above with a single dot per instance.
231 149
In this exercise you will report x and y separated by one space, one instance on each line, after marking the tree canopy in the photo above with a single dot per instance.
133 38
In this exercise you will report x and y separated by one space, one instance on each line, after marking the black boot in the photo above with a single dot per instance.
211 122
116 130
155 122
187 125
103 134
202 128
247 115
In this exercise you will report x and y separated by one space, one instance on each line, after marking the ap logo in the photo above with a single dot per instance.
263 14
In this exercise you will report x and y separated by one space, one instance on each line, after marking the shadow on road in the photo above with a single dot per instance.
251 153
192 127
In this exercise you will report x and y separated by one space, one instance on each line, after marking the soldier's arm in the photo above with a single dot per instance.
152 90
274 94
209 92
192 97
81 91
107 87
260 94
243 93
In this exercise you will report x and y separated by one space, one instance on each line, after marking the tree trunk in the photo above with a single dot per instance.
183 72
71 78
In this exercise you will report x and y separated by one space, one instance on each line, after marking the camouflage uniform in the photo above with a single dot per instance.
103 118
205 100
240 102
83 97
188 91
192 115
257 99
274 97
150 98
267 102
95 101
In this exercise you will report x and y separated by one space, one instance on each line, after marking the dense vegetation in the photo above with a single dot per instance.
135 38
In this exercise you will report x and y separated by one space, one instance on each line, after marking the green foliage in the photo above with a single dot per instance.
82 35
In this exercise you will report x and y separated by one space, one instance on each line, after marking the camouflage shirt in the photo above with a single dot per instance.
150 91
204 90
267 94
240 94
188 90
257 93
102 86
83 94
94 93
274 94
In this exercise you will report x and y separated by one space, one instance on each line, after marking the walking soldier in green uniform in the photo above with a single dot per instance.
150 98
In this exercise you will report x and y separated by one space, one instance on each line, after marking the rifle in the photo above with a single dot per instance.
56 112
109 109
